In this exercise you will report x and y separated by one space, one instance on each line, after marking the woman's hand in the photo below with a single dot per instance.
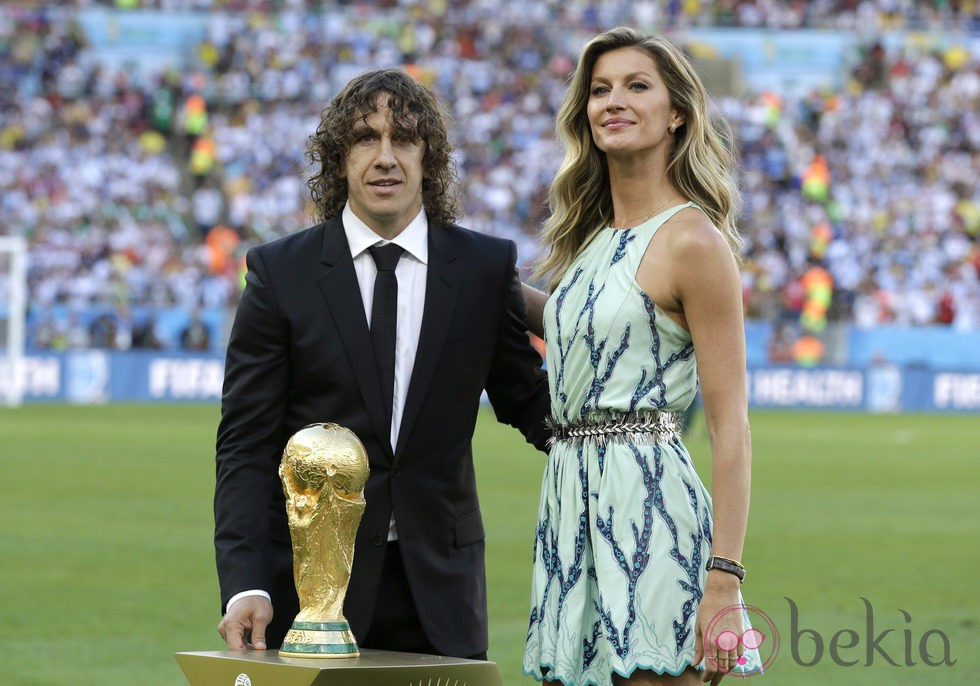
720 613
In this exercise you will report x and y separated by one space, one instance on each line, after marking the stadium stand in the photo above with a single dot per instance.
140 185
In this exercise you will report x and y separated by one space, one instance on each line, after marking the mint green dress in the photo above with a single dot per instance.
624 523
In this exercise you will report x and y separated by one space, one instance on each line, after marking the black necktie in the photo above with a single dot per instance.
384 317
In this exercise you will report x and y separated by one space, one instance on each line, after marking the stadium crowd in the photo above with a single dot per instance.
141 190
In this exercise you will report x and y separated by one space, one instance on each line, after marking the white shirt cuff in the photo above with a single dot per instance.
238 596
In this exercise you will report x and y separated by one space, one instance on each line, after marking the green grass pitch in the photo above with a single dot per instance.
106 566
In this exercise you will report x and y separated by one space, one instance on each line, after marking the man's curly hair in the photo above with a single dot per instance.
413 108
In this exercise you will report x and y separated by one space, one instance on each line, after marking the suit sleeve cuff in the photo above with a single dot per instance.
244 594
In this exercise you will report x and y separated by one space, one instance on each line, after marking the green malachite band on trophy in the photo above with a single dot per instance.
320 639
319 649
321 626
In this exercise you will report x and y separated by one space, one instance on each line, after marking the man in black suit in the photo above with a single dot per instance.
302 351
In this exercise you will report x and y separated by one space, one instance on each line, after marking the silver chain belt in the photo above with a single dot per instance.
659 426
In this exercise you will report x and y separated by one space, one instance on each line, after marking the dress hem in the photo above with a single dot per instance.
592 682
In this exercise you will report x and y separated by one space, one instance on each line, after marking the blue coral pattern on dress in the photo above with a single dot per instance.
633 567
624 240
644 386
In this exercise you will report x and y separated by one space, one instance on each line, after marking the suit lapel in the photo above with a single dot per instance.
340 290
441 291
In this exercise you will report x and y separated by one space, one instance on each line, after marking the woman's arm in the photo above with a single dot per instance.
710 295
534 301
703 281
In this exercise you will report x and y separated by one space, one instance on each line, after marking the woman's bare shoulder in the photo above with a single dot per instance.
690 235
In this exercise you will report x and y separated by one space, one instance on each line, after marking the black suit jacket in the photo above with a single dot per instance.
300 352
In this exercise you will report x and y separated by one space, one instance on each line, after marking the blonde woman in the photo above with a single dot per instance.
636 570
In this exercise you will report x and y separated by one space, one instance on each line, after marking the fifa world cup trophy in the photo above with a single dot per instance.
323 470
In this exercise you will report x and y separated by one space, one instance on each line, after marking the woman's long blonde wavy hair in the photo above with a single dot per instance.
701 163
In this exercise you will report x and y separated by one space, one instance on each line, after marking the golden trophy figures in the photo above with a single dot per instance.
323 470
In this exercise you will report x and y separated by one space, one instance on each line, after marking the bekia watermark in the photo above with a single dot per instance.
848 647
872 642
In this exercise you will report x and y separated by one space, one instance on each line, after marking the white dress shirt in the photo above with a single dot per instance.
411 275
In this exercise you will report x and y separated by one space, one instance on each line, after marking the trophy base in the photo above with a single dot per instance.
319 640
371 668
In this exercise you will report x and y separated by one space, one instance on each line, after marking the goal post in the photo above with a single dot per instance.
13 318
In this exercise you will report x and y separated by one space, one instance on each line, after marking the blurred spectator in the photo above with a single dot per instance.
207 206
48 333
144 335
780 350
196 335
102 331
77 335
